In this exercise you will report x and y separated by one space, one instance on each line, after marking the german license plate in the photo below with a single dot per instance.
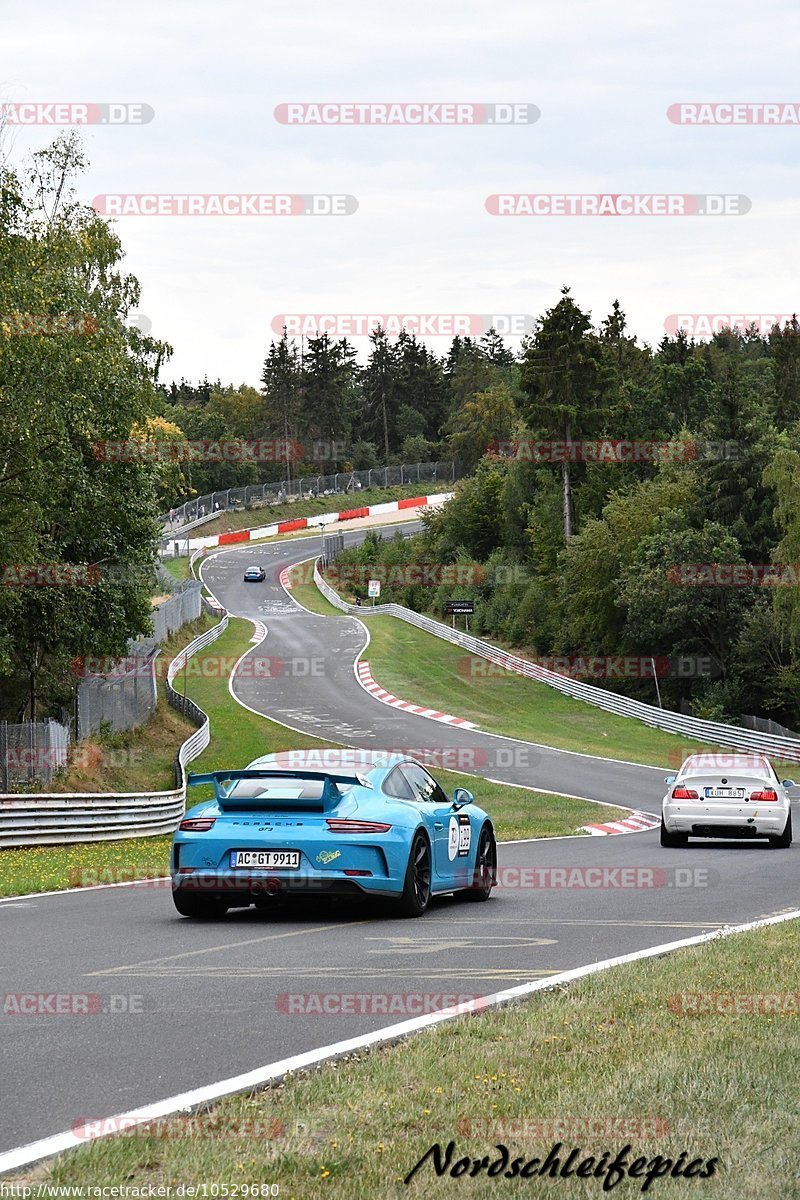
266 860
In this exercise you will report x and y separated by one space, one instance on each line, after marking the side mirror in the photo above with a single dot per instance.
787 783
461 797
670 778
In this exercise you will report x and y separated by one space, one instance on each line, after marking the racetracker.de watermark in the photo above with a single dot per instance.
723 760
110 876
225 204
50 575
27 324
602 878
271 450
433 575
765 575
404 1004
734 112
616 204
616 450
65 112
423 324
561 1128
437 757
82 757
200 1126
405 112
22 324
771 1004
69 1004
211 666
595 666
599 450
706 325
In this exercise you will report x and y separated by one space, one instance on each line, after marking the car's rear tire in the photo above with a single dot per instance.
784 840
672 840
203 907
485 875
417 884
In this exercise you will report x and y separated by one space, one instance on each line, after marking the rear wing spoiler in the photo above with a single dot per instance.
330 792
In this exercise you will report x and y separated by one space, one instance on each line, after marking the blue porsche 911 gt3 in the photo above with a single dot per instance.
382 830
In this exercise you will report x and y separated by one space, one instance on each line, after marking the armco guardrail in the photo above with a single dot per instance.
195 546
46 819
213 504
705 731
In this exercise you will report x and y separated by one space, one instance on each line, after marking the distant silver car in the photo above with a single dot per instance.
727 795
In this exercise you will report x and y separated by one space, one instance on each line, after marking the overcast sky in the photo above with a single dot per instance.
603 76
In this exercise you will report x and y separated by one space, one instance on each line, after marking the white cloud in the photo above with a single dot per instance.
603 76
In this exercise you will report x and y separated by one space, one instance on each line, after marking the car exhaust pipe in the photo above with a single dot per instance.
270 888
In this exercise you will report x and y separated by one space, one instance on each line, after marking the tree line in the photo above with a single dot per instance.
77 530
404 405
688 555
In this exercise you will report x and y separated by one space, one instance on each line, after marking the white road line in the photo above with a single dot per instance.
46 1147
93 887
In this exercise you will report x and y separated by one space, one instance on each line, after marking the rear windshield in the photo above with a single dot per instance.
296 789
721 764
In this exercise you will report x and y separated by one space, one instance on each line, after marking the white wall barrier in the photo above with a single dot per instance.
715 732
53 818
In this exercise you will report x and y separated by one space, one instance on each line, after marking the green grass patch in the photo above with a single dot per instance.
136 759
30 869
425 670
254 517
519 812
609 1049
306 592
177 567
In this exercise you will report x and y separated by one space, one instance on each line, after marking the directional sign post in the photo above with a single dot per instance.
461 608
373 589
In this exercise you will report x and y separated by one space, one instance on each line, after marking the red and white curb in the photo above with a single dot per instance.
351 514
635 823
259 633
364 676
283 579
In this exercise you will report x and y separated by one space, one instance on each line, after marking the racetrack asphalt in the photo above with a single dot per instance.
175 1004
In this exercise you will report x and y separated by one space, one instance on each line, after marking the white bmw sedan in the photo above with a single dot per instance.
727 795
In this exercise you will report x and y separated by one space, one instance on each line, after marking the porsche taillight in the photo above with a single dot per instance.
682 793
341 825
197 824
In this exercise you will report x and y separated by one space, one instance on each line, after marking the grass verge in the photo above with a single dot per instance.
141 757
177 567
605 1063
426 670
306 592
